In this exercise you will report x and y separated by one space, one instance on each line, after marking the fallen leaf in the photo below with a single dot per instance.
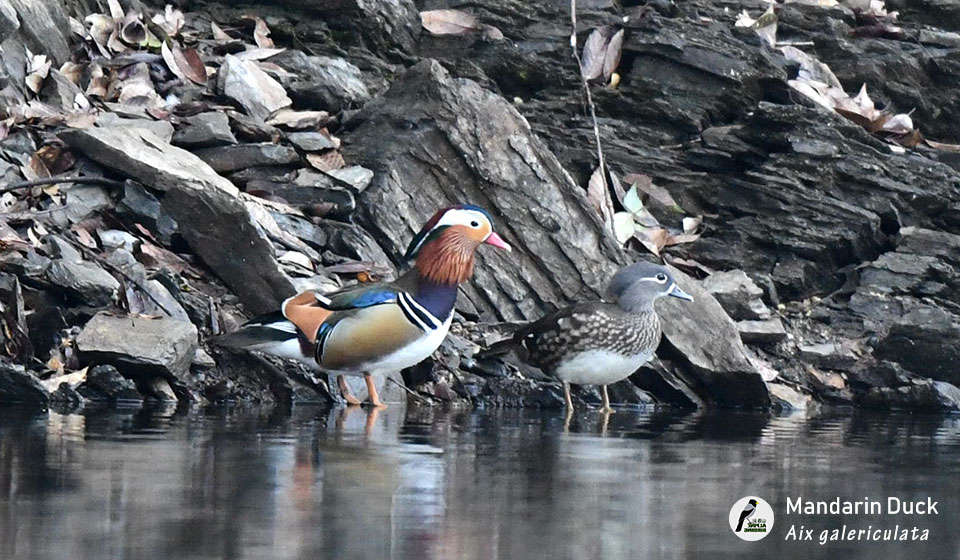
612 57
261 34
599 196
942 146
327 161
594 52
299 119
258 53
38 67
296 258
190 64
171 20
898 124
654 239
133 31
448 22
623 226
219 34
116 10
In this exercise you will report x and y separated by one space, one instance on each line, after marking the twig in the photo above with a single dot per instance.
410 391
62 179
593 109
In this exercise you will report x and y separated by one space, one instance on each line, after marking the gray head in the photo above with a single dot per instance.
637 286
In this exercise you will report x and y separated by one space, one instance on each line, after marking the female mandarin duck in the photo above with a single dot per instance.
379 327
602 342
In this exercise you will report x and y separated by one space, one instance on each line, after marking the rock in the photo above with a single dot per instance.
332 84
314 142
737 294
9 23
104 383
706 342
355 177
433 141
204 130
770 331
139 205
43 27
118 239
161 390
65 398
162 130
255 91
82 202
786 398
143 295
917 344
18 386
83 280
209 215
139 347
920 395
308 198
384 25
354 242
829 355
59 91
14 328
241 156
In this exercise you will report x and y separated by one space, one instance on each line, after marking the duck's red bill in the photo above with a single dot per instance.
497 241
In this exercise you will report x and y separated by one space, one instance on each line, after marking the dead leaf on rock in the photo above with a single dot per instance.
219 34
189 62
261 34
944 147
133 31
594 52
38 67
167 52
171 20
456 22
327 161
299 119
258 53
611 59
599 196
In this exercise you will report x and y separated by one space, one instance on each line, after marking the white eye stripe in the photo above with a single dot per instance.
461 217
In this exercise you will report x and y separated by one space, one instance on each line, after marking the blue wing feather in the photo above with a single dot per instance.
361 296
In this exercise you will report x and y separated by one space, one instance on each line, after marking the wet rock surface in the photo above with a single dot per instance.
825 270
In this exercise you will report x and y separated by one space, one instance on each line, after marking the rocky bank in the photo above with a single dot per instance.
224 155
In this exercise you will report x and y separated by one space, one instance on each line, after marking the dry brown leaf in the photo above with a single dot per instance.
299 119
258 53
84 237
599 196
133 31
219 34
594 53
327 161
171 61
38 67
171 20
942 146
190 64
656 193
448 22
611 59
654 239
261 34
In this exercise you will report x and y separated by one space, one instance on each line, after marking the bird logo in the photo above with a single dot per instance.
747 512
751 518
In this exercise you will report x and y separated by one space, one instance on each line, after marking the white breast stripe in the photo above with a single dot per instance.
416 313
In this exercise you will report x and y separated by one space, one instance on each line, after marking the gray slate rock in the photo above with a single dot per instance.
770 331
206 207
19 386
322 82
241 156
104 383
84 280
204 130
137 346
313 141
258 93
737 294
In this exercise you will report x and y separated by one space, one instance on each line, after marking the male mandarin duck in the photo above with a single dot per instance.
602 342
381 327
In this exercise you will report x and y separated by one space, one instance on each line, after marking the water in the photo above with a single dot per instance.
425 483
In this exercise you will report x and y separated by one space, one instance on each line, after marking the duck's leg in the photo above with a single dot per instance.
372 391
605 409
345 391
566 397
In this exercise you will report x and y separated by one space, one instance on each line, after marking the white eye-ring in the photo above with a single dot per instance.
662 278
474 224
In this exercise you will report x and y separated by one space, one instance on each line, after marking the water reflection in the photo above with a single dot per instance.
429 483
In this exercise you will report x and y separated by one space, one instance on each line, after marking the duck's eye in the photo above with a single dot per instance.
662 278
474 224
